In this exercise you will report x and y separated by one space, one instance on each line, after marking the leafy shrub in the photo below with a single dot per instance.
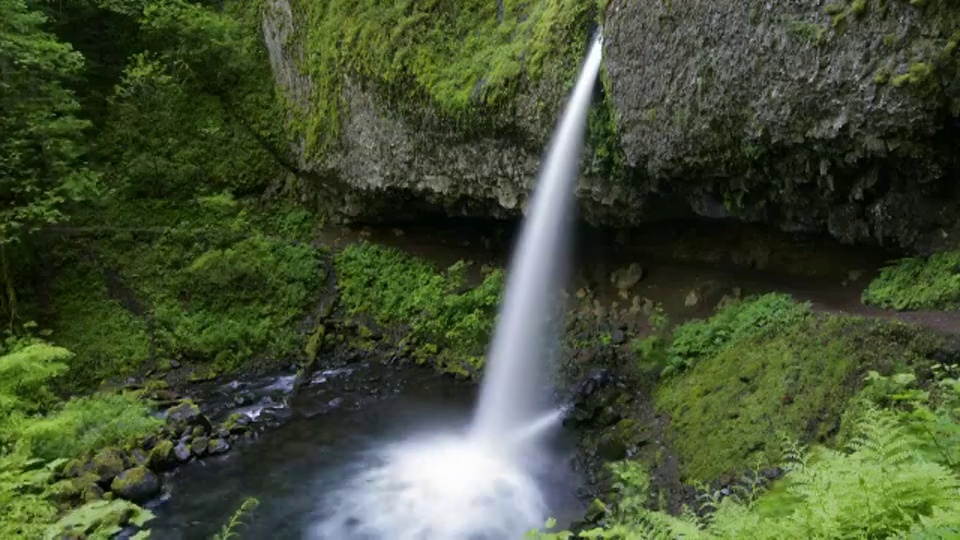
87 424
918 283
737 321
100 519
449 322
25 505
24 374
109 340
878 487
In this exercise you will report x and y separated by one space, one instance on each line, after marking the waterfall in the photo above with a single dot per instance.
516 366
482 486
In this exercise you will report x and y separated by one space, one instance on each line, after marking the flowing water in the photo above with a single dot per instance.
484 480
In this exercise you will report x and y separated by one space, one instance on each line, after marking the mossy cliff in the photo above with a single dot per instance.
829 119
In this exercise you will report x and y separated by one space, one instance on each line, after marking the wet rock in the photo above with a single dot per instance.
136 458
618 337
107 464
626 278
175 364
692 299
199 446
218 446
75 468
243 398
161 456
612 447
182 452
186 416
138 485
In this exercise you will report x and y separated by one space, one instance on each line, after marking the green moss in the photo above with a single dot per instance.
160 455
462 59
449 323
700 339
918 283
107 339
918 74
731 409
808 32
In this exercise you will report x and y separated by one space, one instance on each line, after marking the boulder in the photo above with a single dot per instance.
186 416
161 455
182 452
199 446
107 464
218 446
137 485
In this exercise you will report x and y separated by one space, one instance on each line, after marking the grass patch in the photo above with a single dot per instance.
449 323
918 283
729 410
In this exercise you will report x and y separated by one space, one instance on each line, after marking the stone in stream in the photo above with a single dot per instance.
218 446
199 446
107 464
182 452
185 416
161 456
138 485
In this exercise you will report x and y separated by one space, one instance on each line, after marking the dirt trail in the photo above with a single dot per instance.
687 268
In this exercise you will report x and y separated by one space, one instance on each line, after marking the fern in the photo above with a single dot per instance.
230 529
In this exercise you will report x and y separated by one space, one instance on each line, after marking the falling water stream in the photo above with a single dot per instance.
486 478
481 485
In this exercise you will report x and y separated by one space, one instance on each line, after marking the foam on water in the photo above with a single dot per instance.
482 485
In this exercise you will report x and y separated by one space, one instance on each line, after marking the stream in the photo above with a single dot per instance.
335 429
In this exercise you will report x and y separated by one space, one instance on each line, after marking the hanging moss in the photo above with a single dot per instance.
461 59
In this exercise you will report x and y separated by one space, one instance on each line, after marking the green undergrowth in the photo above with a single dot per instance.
38 433
217 282
448 322
463 59
918 283
766 367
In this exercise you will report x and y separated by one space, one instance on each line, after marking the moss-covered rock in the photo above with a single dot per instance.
138 484
107 464
711 109
730 411
161 455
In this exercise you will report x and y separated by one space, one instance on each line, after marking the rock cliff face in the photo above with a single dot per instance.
839 118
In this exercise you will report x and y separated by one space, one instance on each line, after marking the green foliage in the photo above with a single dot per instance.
196 112
736 321
918 283
463 58
109 340
214 283
87 424
728 410
229 529
879 486
25 493
449 323
41 138
100 520
24 374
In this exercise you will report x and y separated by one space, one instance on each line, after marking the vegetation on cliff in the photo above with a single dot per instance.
918 283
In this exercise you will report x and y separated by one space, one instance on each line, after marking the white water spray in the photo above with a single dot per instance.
483 486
